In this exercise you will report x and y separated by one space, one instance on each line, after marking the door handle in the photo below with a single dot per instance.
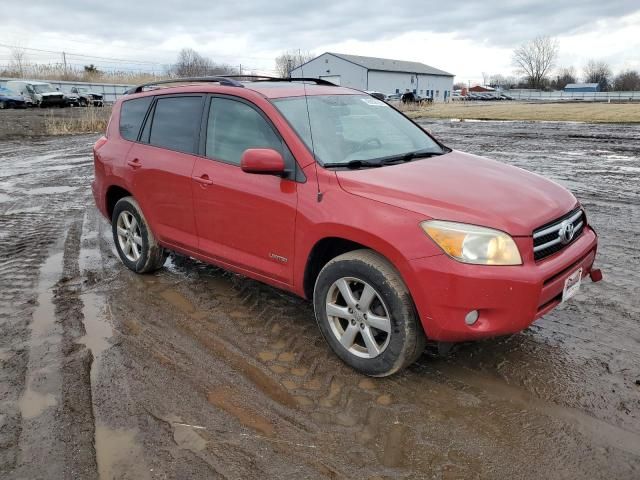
135 163
203 179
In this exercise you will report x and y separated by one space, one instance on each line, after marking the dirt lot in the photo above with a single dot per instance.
196 373
512 110
35 122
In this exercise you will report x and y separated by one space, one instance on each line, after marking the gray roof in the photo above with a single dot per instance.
390 65
581 85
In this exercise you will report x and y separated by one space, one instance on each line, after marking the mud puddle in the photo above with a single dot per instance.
43 381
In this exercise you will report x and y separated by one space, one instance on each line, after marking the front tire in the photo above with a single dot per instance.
366 314
135 243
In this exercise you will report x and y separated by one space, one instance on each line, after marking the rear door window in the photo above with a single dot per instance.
132 114
233 127
176 123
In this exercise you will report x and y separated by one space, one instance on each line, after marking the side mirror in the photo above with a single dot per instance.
264 161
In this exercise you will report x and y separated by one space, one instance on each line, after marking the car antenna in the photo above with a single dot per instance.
313 148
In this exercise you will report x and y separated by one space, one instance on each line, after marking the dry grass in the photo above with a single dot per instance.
87 120
507 110
54 72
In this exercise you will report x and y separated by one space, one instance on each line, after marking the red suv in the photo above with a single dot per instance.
337 197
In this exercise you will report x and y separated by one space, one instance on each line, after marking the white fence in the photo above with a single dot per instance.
560 96
110 92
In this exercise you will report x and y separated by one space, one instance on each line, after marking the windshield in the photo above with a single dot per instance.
43 88
82 89
344 128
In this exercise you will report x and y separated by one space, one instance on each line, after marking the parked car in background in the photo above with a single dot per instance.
410 97
374 94
72 99
393 97
456 97
11 99
393 236
87 97
42 94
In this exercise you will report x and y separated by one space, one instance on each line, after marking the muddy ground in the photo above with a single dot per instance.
196 373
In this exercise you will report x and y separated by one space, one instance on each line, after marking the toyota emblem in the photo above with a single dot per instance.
566 232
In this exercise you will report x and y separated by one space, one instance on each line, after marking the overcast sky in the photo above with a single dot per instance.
463 37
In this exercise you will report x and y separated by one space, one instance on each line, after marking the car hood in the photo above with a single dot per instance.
465 188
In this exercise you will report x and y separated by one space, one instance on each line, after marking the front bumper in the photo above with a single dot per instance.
48 101
508 298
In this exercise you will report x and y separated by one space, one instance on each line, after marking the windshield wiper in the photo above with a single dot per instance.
380 162
354 164
407 157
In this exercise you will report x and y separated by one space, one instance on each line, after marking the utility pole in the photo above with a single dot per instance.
240 69
64 60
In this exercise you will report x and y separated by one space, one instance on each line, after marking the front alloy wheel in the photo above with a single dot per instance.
366 314
358 317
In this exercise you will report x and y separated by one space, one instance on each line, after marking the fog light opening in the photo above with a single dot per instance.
471 317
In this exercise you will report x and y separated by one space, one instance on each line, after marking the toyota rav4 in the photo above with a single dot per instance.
337 197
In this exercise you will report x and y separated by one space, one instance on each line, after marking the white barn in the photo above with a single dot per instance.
379 74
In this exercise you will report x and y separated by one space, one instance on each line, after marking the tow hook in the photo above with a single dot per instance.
596 275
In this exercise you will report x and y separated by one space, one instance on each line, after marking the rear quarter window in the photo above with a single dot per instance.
132 113
176 123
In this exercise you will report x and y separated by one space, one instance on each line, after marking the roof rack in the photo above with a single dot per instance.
228 82
264 78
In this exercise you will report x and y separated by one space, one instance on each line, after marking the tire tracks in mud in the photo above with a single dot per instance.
57 433
46 429
338 411
77 423
206 374
20 258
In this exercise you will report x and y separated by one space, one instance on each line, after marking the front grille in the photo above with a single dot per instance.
554 236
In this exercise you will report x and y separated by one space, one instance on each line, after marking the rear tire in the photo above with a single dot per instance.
3 105
135 243
373 326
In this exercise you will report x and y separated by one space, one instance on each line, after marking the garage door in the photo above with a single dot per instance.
335 79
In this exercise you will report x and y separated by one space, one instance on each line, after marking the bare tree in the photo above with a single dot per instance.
18 61
535 59
628 81
289 60
191 64
565 76
598 72
498 80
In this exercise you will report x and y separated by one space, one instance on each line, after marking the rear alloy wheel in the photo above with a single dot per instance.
366 314
135 243
3 105
129 236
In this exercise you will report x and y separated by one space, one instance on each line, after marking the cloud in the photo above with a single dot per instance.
253 31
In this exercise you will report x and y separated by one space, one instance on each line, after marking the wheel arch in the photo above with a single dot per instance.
328 247
114 193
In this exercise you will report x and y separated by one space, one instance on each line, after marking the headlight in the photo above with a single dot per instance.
473 244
